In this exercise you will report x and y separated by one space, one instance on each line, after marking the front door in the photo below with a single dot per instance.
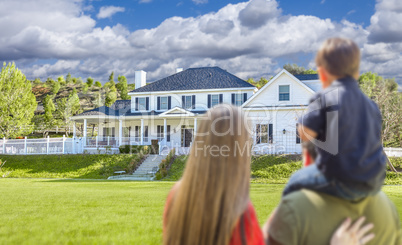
187 137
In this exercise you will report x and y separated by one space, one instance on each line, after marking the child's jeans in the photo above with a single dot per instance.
311 178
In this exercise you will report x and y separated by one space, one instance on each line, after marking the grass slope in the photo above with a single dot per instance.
272 169
35 211
64 166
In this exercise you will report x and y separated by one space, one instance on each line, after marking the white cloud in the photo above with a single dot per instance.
145 1
108 11
385 24
232 38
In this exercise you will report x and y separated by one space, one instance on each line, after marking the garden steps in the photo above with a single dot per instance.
143 171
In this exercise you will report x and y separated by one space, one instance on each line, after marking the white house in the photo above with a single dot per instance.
167 110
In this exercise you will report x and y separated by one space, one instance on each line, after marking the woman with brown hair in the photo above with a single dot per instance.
211 203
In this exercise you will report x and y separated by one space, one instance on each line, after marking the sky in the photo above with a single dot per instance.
255 38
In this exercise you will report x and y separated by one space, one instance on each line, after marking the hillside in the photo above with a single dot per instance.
87 99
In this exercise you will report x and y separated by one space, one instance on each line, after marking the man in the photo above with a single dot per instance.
308 217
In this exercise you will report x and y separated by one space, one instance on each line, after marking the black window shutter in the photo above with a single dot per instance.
147 103
220 98
169 102
158 131
193 101
136 104
233 99
209 101
137 133
168 133
158 102
244 97
183 101
257 132
270 133
297 134
146 131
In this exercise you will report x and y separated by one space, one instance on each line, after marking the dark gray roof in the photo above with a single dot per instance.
303 77
196 78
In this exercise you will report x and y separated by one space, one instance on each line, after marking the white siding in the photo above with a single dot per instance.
269 96
201 100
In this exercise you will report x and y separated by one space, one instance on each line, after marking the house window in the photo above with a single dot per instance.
297 134
126 131
137 134
164 103
188 101
141 103
284 92
145 133
160 133
108 132
264 133
214 99
238 99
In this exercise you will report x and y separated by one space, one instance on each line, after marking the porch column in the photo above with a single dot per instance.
195 126
142 131
85 132
74 130
164 130
120 132
85 128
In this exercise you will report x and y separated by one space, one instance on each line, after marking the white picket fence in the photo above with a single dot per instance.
41 146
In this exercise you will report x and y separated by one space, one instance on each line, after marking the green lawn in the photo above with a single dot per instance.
43 211
84 166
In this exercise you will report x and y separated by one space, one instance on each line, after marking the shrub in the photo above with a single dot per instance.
164 165
134 149
98 84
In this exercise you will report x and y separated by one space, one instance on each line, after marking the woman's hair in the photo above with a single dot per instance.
214 189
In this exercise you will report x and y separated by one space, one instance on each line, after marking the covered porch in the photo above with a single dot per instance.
172 129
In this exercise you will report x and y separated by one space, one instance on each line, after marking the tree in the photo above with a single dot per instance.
99 100
56 88
37 81
17 102
260 82
384 93
49 108
98 84
122 87
111 95
69 78
47 120
85 88
297 70
61 80
90 81
66 108
111 77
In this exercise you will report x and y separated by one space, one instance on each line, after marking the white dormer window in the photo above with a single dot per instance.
164 103
284 92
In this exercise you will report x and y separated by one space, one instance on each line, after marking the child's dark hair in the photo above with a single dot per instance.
340 57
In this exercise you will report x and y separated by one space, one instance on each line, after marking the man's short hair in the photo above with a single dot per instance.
339 56
310 148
